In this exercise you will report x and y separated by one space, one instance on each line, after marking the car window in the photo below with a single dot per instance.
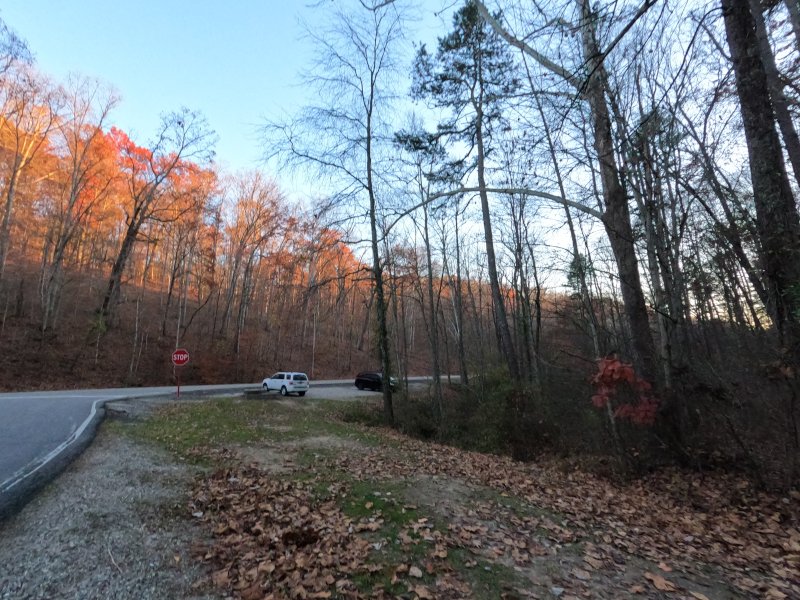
300 377
277 376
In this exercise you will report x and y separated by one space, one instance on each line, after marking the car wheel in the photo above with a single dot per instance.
360 385
265 387
283 391
301 393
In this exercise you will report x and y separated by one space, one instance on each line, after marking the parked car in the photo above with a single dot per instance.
287 383
373 380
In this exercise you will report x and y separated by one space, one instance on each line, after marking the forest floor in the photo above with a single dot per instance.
255 499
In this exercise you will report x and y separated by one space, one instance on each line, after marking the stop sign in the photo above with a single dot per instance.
180 357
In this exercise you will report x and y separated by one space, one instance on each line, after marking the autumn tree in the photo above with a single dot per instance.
183 138
86 174
191 200
29 107
256 216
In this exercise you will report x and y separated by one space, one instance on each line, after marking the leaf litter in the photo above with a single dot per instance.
560 533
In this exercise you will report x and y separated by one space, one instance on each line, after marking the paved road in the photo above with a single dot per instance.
42 432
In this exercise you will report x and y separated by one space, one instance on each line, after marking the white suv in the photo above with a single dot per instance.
287 383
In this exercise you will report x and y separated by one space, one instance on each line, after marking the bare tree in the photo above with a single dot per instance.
776 210
13 49
341 136
591 86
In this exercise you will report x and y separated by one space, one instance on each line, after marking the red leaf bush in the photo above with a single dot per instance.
630 396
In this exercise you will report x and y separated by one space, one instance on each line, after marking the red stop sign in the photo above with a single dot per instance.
180 357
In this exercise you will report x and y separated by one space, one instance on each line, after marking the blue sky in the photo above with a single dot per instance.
236 62
233 61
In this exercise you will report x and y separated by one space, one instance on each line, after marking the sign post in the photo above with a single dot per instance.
179 358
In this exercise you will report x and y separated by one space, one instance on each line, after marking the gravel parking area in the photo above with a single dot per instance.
111 526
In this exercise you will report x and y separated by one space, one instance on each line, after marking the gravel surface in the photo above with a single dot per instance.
112 526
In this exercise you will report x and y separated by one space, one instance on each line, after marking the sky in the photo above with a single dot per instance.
236 62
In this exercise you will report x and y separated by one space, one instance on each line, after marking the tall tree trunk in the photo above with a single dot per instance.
5 224
459 309
498 305
793 6
434 321
776 213
779 102
616 217
377 271
115 279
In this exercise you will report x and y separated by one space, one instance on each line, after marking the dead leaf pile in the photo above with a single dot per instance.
279 539
675 515
275 540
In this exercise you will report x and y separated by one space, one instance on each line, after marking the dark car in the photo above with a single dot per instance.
373 380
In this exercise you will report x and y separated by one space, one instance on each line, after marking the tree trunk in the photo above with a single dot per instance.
616 217
5 225
377 271
779 102
776 213
458 299
793 6
498 305
115 279
434 322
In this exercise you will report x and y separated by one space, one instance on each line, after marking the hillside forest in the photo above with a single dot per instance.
580 217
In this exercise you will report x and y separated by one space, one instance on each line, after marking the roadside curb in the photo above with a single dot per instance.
20 489
37 475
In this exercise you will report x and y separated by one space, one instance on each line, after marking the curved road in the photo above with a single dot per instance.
42 432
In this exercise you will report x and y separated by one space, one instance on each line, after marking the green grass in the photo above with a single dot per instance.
371 498
224 421
487 579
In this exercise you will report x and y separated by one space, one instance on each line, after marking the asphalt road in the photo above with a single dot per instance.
42 432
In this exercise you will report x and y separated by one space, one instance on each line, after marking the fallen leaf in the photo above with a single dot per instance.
415 572
582 574
595 563
731 540
220 578
699 596
637 589
254 592
660 583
